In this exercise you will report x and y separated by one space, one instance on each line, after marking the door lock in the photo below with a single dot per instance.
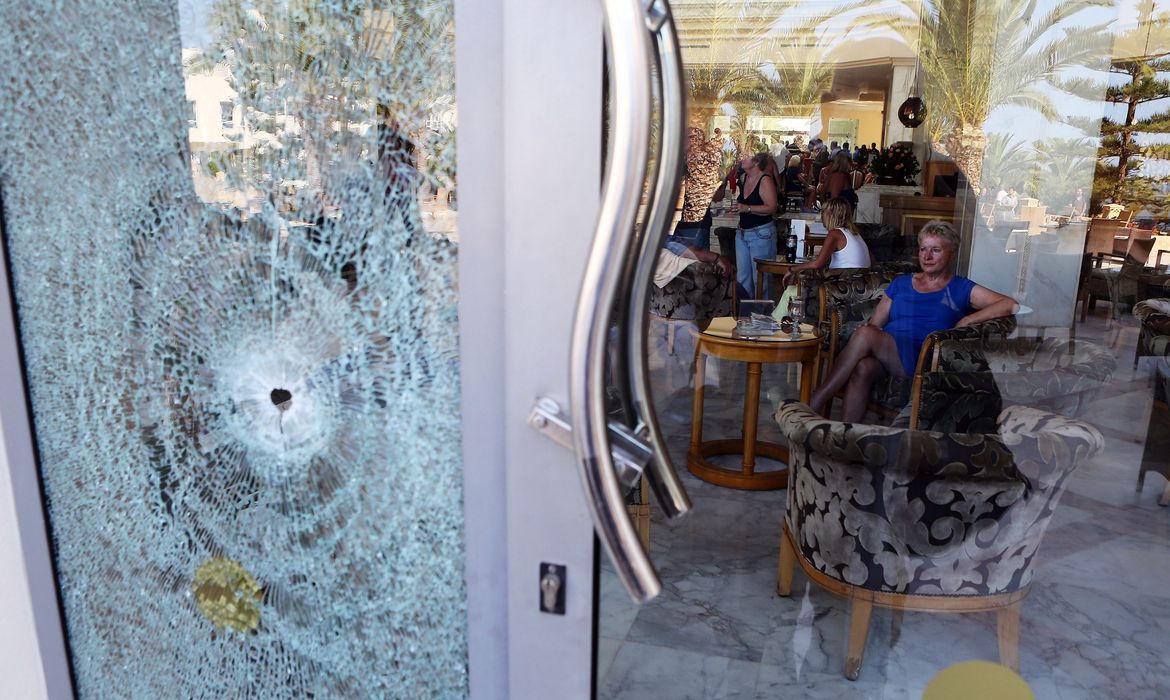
552 588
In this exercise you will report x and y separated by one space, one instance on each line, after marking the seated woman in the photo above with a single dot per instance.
842 248
838 179
793 178
914 306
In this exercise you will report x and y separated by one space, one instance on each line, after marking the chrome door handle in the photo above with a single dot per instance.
629 49
669 166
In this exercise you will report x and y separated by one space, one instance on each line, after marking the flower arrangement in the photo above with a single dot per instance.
897 164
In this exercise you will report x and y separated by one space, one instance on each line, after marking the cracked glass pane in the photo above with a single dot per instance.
232 233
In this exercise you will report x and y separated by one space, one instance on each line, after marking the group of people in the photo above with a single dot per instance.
913 307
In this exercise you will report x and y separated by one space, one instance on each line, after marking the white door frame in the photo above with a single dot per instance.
34 663
529 83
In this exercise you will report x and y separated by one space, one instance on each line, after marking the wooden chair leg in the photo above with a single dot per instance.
897 616
860 611
787 564
1008 629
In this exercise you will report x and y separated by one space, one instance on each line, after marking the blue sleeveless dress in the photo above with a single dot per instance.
915 315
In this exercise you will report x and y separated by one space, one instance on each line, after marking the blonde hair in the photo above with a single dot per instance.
941 229
837 213
794 161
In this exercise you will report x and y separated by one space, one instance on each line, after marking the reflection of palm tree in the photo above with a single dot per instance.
715 80
1006 162
1068 165
978 55
783 69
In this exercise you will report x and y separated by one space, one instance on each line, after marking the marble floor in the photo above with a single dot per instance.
1095 625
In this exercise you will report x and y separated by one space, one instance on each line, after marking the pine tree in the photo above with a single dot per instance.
1144 83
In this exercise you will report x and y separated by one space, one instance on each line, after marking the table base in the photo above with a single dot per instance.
745 478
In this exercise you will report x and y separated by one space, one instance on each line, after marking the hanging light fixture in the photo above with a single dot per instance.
913 110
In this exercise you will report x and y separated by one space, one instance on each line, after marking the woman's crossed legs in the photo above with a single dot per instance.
868 356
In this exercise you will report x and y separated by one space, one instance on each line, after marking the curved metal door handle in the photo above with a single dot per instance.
629 46
669 162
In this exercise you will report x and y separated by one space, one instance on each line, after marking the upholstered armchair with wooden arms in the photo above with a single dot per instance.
918 520
1154 341
891 394
822 290
971 380
1154 316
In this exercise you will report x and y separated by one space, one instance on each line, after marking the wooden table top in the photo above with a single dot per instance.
723 328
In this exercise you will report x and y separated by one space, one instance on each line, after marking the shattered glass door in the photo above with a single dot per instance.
231 230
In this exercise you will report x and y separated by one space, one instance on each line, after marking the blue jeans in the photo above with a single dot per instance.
697 233
752 243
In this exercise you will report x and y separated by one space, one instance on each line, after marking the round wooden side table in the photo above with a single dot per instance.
766 266
720 340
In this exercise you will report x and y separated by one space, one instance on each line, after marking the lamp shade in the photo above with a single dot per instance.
912 112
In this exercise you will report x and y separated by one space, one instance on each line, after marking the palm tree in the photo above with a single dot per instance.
711 81
1007 162
978 55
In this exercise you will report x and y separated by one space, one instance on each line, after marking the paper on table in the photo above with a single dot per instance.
782 307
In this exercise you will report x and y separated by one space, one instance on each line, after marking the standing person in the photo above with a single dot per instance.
914 306
699 184
842 247
756 237
1079 206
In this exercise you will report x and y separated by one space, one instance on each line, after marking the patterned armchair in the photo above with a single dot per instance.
849 311
923 520
822 290
971 380
698 293
1154 341
1154 315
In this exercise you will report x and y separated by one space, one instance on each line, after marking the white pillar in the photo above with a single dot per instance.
900 84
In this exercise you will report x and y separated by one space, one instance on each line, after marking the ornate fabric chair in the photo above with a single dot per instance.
697 293
971 380
822 290
1154 341
917 520
1154 316
847 310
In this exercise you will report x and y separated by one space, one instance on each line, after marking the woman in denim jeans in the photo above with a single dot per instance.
756 237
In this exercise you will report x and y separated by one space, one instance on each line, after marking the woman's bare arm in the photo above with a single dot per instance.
988 305
834 241
881 315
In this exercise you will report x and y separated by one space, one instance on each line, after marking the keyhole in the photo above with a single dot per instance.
281 398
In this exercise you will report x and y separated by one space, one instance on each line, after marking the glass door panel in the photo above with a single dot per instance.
232 235
1035 166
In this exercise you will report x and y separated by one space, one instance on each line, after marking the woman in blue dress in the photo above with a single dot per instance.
914 306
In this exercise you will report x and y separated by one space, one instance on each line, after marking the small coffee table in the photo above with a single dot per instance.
768 266
719 340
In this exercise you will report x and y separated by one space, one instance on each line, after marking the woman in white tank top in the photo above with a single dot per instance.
842 248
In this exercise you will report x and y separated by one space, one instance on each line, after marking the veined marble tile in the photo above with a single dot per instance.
607 651
649 672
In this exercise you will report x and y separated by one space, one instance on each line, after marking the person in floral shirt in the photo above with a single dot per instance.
704 158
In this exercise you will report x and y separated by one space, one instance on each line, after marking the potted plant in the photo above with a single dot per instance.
895 165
